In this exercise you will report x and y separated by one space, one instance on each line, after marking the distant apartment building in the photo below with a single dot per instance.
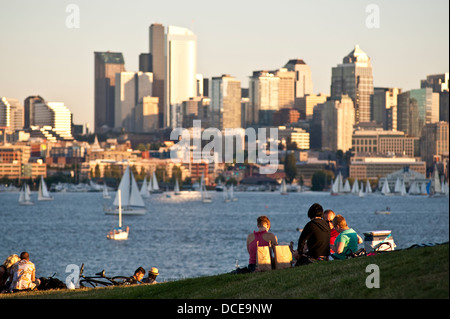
29 109
337 120
354 77
286 88
106 65
226 101
439 83
295 135
15 164
383 107
285 116
55 117
11 114
373 142
379 167
415 108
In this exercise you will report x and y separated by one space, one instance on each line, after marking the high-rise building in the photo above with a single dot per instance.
106 65
55 115
415 108
158 66
337 120
286 88
131 88
383 103
434 143
354 78
29 109
263 95
226 101
305 105
303 78
181 72
11 114
440 84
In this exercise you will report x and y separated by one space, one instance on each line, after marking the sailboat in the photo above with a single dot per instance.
24 197
414 189
43 193
385 190
105 191
231 194
355 187
206 198
347 188
177 188
155 186
403 189
283 188
398 186
361 190
118 233
368 187
132 203
436 188
226 195
144 189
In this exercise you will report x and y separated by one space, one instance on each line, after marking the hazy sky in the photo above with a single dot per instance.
41 55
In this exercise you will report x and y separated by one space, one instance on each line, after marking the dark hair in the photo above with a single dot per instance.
140 269
24 255
316 210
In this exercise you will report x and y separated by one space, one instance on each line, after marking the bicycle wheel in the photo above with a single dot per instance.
120 280
92 283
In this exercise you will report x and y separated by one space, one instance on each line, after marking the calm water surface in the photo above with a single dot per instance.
183 237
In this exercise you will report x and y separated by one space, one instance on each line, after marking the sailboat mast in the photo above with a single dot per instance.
120 209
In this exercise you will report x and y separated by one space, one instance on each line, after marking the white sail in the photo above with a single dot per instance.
155 182
436 183
206 198
43 193
144 190
347 188
24 196
414 189
368 187
398 186
105 191
423 188
385 190
131 199
226 195
335 186
231 194
149 185
355 187
124 187
135 196
177 188
283 187
403 189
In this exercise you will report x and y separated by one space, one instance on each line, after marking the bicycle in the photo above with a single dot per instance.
101 280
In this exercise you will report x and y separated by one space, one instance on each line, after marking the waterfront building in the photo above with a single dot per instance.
379 167
354 77
106 65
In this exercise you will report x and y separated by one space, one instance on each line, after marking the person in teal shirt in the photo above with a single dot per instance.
346 241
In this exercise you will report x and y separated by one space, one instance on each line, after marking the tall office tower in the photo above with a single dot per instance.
415 108
145 62
107 64
440 84
286 88
157 47
131 88
303 78
181 72
56 115
354 78
383 105
29 109
263 94
434 143
226 101
337 120
11 114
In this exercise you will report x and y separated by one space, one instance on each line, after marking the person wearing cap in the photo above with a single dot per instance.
152 274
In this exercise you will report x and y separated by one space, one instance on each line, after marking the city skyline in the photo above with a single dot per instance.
44 55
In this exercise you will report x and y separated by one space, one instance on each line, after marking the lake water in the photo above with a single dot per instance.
184 237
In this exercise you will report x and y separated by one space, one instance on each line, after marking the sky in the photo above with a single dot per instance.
46 51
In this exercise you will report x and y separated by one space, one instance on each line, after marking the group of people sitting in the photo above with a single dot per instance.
138 277
326 236
18 274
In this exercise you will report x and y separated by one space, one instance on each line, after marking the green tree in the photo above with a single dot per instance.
290 167
319 178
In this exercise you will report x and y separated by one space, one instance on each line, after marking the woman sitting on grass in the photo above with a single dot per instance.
347 241
262 237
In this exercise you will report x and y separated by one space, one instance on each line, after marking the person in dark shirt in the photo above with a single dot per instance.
315 236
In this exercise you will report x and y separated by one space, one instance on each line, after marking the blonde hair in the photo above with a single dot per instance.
11 260
339 220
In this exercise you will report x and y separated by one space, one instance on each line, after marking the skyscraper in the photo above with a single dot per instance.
158 67
263 94
56 115
303 78
383 104
29 109
181 72
337 120
226 101
106 65
11 113
354 78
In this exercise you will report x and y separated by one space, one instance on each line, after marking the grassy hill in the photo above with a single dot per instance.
421 273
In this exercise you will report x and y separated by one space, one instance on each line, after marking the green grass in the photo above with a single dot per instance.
414 273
